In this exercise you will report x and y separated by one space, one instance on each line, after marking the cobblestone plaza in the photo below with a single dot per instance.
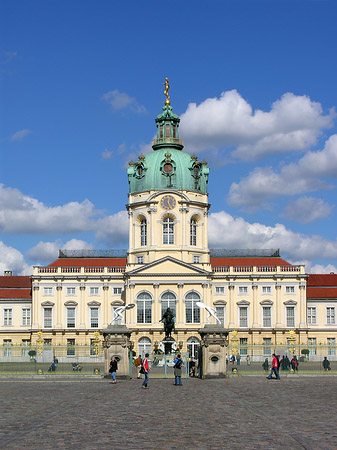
235 413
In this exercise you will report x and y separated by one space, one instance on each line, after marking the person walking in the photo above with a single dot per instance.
274 369
146 370
294 363
113 369
138 364
326 364
178 362
248 360
265 365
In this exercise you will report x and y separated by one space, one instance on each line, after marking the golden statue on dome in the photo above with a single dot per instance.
167 87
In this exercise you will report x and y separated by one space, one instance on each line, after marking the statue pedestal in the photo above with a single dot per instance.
214 340
117 344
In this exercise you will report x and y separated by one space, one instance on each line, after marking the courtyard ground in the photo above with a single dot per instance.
235 413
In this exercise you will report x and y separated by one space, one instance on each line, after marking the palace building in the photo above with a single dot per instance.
169 264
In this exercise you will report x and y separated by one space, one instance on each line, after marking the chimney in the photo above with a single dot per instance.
8 273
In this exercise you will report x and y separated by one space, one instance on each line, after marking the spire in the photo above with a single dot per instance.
167 125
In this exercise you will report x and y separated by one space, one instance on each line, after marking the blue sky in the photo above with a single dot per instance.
254 83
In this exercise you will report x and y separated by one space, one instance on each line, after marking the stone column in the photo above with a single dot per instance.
231 305
303 306
117 343
278 306
214 340
255 306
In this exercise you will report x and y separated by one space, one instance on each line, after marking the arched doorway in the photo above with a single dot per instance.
193 345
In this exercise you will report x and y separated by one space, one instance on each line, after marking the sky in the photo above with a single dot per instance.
253 81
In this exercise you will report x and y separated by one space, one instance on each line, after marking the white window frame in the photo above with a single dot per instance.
192 311
267 320
219 290
71 350
25 346
7 317
267 346
330 315
242 290
140 259
48 291
287 317
143 232
49 308
94 290
168 231
242 319
26 316
331 343
312 315
69 319
243 342
144 346
117 288
7 345
220 311
169 299
290 290
144 306
196 259
266 290
94 321
193 232
71 291
312 346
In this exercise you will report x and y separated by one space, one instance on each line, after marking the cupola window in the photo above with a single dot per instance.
193 232
143 232
168 231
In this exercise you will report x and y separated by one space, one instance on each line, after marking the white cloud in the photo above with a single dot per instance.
307 175
47 252
106 154
226 231
307 209
19 135
12 259
293 123
114 230
20 213
317 268
121 100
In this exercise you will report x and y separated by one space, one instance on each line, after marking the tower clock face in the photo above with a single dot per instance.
168 202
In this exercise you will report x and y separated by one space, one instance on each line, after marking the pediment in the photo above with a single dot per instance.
167 266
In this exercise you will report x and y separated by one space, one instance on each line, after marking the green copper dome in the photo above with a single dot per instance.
167 166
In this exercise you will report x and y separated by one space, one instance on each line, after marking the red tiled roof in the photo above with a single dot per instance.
327 279
322 292
15 282
16 293
249 262
89 262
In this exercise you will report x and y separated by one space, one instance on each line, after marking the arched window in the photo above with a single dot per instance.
193 232
144 308
144 346
191 308
168 231
143 232
193 345
168 300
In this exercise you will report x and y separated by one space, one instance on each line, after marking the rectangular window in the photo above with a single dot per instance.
290 316
312 345
266 289
243 346
117 290
47 343
26 316
220 313
94 317
8 317
266 311
311 315
7 347
71 291
267 346
196 259
140 259
25 347
47 317
192 312
243 316
290 289
331 346
94 291
47 291
330 315
71 317
70 347
219 290
144 311
243 290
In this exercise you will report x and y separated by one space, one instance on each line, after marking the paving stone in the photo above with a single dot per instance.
236 413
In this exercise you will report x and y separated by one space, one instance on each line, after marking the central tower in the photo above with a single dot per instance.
168 200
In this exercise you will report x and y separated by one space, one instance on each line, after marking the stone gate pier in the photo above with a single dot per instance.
117 343
214 340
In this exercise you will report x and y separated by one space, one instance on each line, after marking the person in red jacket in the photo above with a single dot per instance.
274 369
146 370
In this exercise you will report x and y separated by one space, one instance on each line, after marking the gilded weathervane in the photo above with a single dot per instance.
167 87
